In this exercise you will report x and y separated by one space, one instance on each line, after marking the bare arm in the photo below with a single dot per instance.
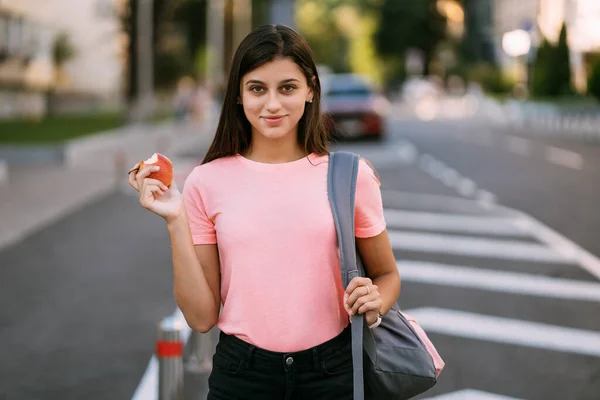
196 273
383 280
380 265
196 276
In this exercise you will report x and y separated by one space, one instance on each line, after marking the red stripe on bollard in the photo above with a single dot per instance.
169 349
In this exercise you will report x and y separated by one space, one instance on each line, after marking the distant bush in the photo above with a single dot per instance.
490 78
552 68
594 80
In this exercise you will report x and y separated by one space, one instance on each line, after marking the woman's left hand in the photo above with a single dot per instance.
362 297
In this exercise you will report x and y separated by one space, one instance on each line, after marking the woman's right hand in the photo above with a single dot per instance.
154 195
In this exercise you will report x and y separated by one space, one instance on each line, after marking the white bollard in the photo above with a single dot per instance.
169 351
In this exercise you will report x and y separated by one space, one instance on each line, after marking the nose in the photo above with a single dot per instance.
273 103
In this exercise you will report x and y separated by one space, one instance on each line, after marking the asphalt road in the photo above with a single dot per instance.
512 313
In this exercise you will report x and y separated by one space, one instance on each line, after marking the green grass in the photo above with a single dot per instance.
54 130
57 129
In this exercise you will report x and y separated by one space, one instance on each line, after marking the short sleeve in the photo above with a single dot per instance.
201 226
369 220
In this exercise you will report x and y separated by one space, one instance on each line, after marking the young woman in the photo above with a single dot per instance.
253 232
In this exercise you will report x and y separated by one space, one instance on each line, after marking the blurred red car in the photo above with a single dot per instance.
352 106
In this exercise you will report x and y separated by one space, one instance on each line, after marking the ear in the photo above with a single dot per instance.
311 94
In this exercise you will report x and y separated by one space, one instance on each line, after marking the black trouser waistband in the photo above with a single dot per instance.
300 359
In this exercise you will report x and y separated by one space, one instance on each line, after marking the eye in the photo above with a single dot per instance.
256 89
288 88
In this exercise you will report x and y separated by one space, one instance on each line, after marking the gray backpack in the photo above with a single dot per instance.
396 363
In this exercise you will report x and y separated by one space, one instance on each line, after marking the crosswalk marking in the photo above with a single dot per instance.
471 394
497 281
508 331
446 222
473 246
408 200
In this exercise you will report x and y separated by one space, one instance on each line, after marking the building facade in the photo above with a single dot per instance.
544 19
28 29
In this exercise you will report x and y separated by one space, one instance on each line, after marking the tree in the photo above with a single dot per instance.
562 66
593 85
541 84
162 12
406 24
191 15
552 68
62 50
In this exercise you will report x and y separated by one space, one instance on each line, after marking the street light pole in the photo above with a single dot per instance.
242 20
216 44
145 60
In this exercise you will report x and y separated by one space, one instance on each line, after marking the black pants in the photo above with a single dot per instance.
242 371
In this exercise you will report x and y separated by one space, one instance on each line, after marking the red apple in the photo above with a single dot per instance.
165 174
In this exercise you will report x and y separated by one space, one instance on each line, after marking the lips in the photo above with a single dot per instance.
274 120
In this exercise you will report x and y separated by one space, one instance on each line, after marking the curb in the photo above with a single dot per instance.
3 172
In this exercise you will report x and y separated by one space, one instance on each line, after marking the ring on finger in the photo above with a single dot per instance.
368 290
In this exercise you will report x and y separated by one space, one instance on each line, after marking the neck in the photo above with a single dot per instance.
274 151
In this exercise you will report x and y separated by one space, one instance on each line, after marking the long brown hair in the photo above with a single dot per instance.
263 45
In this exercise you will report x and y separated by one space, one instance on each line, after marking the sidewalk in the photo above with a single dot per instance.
34 196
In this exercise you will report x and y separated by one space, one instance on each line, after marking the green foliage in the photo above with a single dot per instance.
541 83
170 66
490 78
328 43
594 80
408 24
191 15
562 70
56 129
62 49
552 69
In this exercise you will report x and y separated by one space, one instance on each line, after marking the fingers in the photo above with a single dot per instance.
356 282
131 176
149 193
155 182
365 303
362 298
144 172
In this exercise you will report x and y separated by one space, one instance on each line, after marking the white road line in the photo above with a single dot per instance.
450 177
563 157
473 246
519 145
497 281
148 387
402 199
561 244
471 394
509 331
486 197
466 187
445 222
407 152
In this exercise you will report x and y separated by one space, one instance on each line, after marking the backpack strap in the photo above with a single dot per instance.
341 187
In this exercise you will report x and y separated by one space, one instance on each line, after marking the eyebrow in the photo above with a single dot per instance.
262 83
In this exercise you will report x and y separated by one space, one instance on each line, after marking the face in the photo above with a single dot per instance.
274 97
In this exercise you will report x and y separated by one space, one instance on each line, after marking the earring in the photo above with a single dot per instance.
310 101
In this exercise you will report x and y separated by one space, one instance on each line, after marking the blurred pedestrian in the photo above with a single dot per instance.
200 102
253 231
184 98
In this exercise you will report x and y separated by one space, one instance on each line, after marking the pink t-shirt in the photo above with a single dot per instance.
280 268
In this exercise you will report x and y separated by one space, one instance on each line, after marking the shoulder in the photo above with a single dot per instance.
204 175
216 168
366 171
